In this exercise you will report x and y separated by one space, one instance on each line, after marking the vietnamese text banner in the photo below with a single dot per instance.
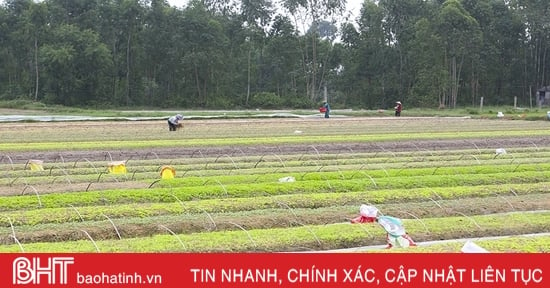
274 270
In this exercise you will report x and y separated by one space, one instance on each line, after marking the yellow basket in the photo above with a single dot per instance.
167 172
118 167
36 165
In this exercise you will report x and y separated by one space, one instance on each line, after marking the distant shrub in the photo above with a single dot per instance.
300 102
220 103
266 100
22 104
472 111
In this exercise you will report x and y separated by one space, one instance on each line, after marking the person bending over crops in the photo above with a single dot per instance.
174 122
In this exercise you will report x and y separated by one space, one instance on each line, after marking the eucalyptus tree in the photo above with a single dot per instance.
205 50
4 52
82 13
535 15
76 67
104 23
36 21
313 11
507 34
368 63
328 60
256 14
160 48
400 18
120 26
18 49
220 7
235 73
462 37
381 61
346 82
497 73
282 61
431 76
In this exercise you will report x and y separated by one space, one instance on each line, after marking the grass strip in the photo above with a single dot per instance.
453 186
236 140
307 237
72 212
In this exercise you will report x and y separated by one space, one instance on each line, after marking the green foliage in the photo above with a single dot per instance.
265 100
27 211
23 104
222 103
234 201
280 239
295 101
130 54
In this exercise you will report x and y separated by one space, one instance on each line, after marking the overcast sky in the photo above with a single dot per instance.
353 5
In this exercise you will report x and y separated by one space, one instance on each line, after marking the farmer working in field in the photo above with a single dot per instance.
398 107
174 122
326 109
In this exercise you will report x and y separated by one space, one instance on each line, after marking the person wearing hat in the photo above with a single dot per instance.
398 107
326 109
173 122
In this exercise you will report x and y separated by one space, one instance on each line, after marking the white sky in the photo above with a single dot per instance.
354 6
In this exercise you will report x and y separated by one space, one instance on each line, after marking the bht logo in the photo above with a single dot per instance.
31 271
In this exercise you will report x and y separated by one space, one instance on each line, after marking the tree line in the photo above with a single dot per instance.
274 54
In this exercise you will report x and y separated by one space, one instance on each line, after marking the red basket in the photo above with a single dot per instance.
322 109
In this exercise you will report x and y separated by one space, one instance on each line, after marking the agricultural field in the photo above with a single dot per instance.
274 185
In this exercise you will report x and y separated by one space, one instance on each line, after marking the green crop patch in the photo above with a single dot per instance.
273 184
